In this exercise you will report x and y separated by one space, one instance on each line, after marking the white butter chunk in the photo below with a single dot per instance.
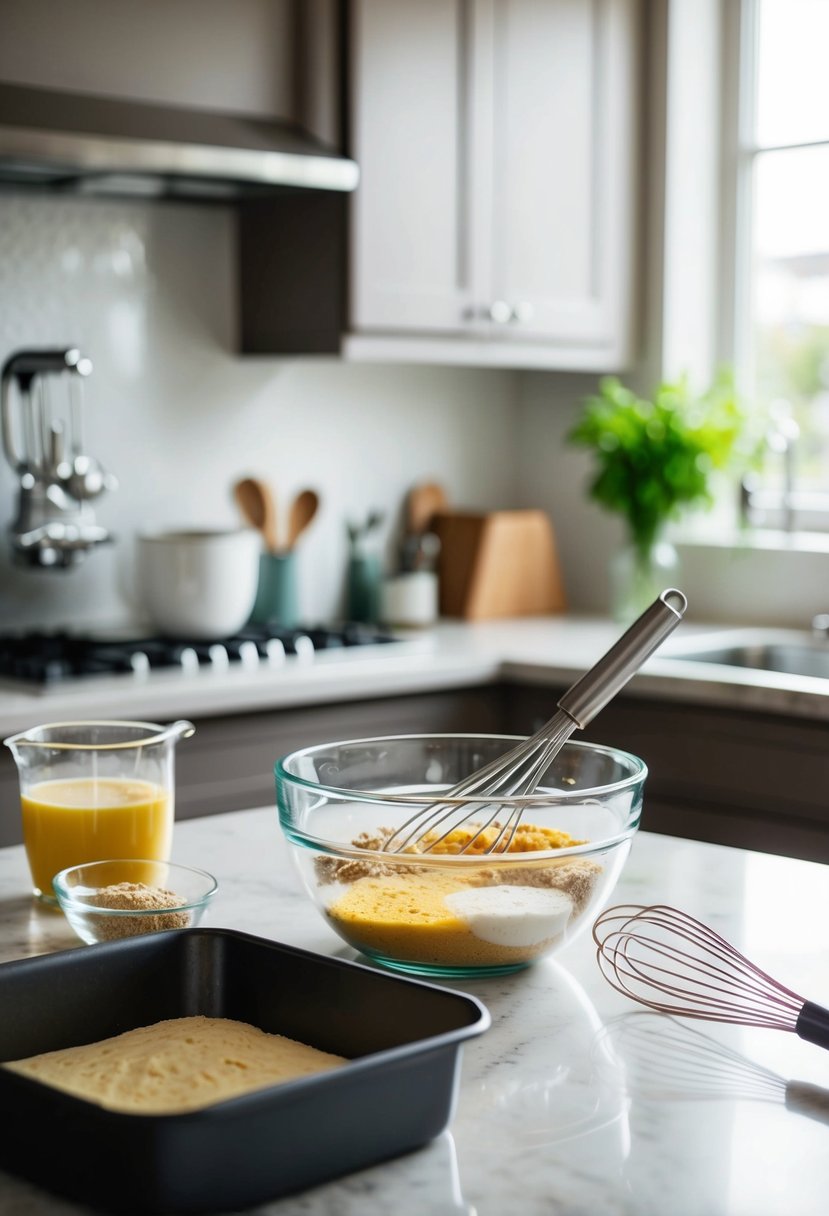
512 916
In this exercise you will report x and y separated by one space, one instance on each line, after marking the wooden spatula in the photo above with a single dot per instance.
423 502
303 509
255 501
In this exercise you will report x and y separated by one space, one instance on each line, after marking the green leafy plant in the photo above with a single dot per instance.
654 458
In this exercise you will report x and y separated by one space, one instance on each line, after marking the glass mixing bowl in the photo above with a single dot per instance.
452 913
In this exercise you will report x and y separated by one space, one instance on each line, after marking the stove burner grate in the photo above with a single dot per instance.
45 658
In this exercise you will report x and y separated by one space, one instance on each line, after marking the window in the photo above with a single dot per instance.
782 320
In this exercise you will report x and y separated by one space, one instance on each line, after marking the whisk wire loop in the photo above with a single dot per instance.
714 999
672 963
430 818
738 977
517 773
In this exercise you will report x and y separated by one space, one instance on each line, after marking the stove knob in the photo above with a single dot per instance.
249 654
140 663
304 648
189 660
219 657
54 670
275 650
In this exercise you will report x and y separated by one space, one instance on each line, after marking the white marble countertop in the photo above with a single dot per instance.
558 1113
455 654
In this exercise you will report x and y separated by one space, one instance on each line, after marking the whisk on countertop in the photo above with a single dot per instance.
518 771
671 962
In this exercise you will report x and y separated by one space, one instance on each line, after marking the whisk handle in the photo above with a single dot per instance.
813 1024
602 682
805 1099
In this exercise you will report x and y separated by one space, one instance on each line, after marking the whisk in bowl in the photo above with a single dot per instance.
518 771
671 962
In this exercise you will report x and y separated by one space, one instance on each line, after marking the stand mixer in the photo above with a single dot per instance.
55 523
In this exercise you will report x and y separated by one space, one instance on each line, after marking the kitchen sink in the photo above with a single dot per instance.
790 658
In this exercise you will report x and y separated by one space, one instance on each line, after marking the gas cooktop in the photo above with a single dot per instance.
47 658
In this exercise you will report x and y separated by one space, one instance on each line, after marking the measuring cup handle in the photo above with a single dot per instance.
180 729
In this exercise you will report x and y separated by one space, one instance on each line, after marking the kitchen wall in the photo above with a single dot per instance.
148 291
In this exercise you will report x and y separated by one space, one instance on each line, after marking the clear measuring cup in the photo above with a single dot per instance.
91 791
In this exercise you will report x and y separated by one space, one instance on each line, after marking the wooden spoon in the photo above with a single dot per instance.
303 509
422 504
255 501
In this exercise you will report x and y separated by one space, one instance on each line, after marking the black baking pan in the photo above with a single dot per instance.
403 1039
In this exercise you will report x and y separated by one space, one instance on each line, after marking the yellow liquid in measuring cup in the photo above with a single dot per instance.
69 822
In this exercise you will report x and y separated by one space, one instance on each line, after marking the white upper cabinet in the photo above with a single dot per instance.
494 221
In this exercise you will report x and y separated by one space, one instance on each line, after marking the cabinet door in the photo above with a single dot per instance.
496 141
410 136
563 160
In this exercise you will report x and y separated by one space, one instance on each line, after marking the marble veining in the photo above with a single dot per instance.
576 1101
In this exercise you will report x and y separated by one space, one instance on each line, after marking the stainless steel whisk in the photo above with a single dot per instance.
519 770
667 960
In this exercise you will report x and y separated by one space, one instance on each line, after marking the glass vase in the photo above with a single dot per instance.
638 576
363 587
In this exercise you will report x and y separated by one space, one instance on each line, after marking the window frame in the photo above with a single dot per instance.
739 152
739 75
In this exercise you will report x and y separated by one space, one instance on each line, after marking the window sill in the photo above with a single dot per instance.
753 576
752 539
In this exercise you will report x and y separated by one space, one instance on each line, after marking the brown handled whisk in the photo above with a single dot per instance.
667 960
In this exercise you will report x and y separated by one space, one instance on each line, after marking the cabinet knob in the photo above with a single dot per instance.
499 311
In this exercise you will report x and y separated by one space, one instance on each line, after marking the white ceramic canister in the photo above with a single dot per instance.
198 583
410 599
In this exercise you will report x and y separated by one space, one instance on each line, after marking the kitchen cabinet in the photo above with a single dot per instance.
748 779
494 222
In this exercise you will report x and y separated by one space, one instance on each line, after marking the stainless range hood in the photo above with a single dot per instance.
80 143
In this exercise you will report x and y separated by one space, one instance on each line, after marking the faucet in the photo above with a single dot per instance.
55 523
781 439
820 626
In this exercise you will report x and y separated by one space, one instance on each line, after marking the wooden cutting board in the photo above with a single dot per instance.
498 564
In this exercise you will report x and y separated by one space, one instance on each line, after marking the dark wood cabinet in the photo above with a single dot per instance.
747 779
228 764
291 273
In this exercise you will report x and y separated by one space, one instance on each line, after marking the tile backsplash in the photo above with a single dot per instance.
148 292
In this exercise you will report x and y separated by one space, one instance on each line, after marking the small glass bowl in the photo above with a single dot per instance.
79 890
456 915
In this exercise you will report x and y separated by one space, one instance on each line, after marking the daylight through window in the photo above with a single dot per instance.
786 158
